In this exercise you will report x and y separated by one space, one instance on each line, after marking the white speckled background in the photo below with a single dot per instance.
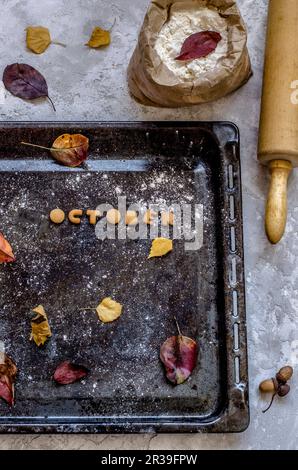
91 85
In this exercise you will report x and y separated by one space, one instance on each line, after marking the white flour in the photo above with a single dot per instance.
183 22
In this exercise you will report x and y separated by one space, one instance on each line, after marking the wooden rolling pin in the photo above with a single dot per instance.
278 139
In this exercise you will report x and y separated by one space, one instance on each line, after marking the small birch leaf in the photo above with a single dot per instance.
99 38
38 39
41 330
6 254
160 247
109 310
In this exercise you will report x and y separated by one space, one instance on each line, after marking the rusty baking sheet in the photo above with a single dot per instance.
67 268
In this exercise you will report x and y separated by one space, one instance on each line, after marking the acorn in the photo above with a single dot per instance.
277 385
269 385
284 374
283 390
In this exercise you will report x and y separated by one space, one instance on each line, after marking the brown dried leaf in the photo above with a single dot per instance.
72 149
68 149
6 254
41 330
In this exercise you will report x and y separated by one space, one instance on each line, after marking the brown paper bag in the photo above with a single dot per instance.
152 83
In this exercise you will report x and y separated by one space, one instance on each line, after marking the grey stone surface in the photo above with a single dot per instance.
91 85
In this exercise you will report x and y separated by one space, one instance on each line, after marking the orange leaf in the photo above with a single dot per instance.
6 254
70 149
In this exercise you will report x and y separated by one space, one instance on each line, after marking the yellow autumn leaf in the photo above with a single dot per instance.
109 310
160 247
99 38
38 39
41 330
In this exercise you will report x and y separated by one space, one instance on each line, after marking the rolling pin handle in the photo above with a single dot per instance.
276 209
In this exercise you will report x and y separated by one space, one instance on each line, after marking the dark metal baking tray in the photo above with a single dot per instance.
66 268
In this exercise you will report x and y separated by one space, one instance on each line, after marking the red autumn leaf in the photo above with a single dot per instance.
68 373
8 372
6 392
68 149
6 254
199 45
179 356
